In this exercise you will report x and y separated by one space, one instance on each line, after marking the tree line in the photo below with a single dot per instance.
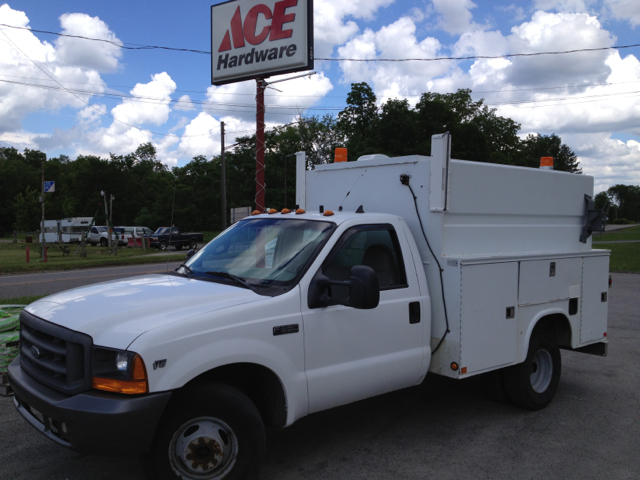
148 193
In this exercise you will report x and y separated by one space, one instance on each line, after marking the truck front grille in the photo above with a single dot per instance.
54 355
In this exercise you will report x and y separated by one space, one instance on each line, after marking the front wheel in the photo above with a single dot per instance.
212 432
533 383
103 242
164 246
193 244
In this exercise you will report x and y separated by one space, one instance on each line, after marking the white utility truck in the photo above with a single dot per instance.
398 267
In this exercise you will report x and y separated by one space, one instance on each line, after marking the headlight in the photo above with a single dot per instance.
118 371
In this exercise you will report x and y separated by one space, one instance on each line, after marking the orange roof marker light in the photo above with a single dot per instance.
285 210
300 211
340 155
256 212
546 163
272 211
328 213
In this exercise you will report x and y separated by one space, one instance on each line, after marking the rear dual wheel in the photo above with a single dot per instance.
533 383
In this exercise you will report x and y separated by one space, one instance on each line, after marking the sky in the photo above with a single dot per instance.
122 97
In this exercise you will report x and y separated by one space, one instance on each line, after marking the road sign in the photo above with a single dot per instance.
49 186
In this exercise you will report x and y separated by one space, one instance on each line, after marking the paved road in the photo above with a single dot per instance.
444 429
46 283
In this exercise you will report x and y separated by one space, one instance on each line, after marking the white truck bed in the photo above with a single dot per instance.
495 230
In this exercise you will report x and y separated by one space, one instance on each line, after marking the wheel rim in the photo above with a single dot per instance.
203 448
541 371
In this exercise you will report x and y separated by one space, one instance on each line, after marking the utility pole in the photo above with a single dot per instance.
260 186
44 241
223 193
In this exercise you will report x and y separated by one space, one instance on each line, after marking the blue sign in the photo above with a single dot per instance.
49 187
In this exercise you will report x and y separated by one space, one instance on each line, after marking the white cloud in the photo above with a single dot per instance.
68 65
456 16
391 79
184 103
99 56
563 5
609 160
625 9
202 135
330 26
155 109
296 96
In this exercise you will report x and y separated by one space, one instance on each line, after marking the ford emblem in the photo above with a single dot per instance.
35 352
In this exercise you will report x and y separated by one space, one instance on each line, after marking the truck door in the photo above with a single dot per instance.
353 354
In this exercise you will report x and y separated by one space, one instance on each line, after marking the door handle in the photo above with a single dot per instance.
414 312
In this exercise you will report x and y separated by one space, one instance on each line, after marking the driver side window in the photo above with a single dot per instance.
375 246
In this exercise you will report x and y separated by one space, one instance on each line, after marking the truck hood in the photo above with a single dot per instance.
115 313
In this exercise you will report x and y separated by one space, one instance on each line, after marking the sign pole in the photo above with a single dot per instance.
44 241
260 186
223 193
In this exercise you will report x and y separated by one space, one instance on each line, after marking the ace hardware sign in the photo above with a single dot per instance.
260 38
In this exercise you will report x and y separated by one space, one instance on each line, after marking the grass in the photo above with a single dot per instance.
632 233
21 300
13 258
625 257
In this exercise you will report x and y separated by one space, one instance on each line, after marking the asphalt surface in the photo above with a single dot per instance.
46 283
442 429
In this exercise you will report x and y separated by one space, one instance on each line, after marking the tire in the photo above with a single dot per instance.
533 383
163 246
103 242
193 244
211 428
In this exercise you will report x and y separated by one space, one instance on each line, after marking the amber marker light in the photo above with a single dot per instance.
272 211
454 366
328 213
138 384
340 155
285 210
300 211
256 212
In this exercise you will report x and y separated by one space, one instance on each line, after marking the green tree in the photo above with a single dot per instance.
627 200
536 146
28 211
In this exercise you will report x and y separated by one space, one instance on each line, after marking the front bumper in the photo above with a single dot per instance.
92 422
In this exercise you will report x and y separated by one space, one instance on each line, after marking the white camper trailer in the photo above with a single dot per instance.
67 230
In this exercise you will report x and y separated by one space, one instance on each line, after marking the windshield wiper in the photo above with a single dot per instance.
235 279
189 273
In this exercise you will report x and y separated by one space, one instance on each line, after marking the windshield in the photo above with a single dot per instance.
102 229
263 252
162 230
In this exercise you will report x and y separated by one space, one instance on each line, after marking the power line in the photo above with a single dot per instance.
136 46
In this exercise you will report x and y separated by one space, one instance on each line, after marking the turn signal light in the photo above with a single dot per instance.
138 384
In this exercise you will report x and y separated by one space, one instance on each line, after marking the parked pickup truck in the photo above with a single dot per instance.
164 237
100 235
391 268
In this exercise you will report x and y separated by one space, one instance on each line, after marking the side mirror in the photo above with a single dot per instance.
364 290
191 253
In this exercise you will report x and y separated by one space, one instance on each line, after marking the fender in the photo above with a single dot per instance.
526 336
